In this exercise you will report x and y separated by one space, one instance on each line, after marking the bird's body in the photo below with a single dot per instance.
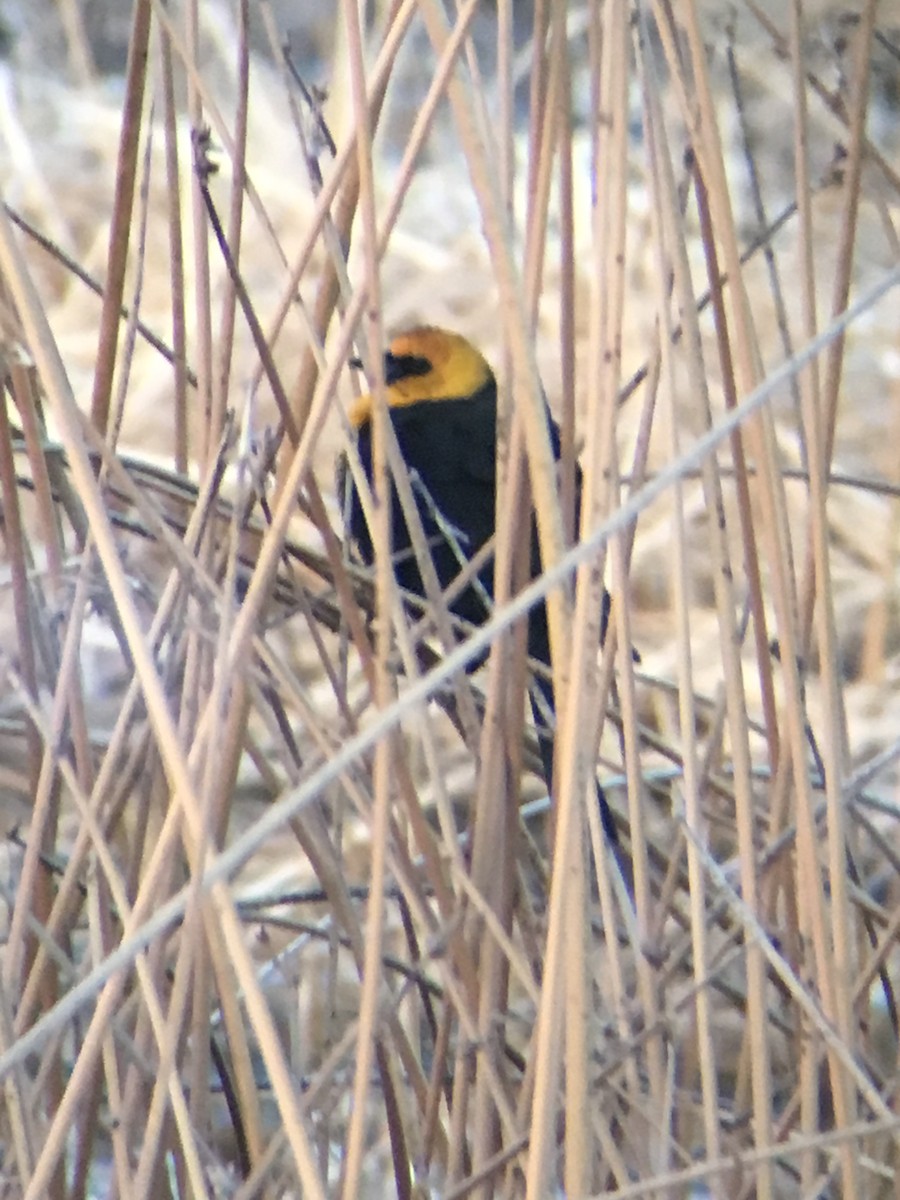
442 399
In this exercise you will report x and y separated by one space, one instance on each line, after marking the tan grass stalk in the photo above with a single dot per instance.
385 750
225 338
756 1045
812 400
122 213
197 106
23 1132
671 234
819 424
180 450
495 836
565 954
33 894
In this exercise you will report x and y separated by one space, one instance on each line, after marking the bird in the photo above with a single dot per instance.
442 400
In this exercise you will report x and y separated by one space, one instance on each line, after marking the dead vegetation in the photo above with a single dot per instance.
284 910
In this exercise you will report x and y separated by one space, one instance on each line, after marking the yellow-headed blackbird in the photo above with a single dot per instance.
442 399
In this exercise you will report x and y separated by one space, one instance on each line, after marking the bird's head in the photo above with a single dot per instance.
425 365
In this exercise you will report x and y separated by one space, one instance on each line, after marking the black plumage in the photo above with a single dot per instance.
442 400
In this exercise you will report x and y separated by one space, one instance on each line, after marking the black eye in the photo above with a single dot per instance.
404 366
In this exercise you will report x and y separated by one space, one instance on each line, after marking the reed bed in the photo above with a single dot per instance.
285 908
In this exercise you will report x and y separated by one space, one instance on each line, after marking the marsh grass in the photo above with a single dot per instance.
276 923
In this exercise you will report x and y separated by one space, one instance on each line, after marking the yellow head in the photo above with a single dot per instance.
427 364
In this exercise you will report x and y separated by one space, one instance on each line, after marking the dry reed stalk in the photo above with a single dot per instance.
672 248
